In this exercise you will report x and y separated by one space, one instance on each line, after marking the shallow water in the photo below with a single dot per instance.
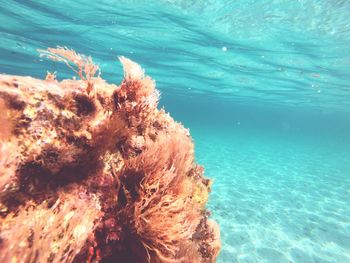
281 188
263 87
277 199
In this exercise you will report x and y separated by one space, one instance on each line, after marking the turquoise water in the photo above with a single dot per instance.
263 87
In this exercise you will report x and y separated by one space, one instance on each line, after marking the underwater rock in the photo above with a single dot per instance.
94 172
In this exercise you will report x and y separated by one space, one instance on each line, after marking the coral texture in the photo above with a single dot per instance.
95 172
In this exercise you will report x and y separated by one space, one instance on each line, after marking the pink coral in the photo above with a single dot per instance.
117 170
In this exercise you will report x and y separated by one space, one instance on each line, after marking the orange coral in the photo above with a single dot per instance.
117 170
49 234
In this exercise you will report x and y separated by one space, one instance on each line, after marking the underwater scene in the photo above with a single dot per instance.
262 86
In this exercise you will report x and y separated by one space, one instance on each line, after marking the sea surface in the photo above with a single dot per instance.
263 86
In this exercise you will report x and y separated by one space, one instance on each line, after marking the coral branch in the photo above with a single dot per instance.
84 66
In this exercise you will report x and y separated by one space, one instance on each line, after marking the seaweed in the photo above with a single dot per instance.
102 176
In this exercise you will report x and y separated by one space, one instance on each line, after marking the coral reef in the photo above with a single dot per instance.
95 172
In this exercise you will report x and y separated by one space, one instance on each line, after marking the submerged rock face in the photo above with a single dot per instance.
94 172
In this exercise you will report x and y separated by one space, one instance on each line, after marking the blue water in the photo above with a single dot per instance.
264 87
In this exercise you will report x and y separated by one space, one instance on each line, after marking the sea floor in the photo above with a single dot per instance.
278 199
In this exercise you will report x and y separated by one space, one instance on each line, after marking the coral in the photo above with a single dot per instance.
54 234
85 68
95 172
